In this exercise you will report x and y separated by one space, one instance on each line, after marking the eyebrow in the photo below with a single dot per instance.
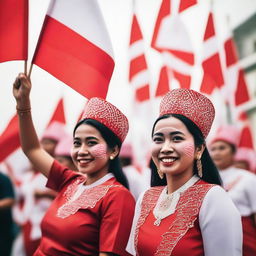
171 133
87 138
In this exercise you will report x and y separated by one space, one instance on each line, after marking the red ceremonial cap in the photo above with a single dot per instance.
227 133
191 104
107 114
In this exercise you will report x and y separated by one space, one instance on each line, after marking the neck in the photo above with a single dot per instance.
225 167
174 182
91 178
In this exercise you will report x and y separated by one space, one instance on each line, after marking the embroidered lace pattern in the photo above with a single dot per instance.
186 214
147 205
87 199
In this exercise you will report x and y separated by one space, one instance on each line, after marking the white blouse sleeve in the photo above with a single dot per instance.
251 192
220 224
130 245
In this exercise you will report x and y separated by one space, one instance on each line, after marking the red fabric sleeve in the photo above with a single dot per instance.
117 215
59 176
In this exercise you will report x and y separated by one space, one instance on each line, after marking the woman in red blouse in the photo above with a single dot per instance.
185 212
92 213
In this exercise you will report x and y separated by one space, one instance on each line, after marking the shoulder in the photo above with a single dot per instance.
117 190
217 200
246 176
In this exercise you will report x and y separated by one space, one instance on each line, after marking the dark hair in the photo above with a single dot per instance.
210 171
112 140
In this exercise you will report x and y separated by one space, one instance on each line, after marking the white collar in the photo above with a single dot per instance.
81 187
106 177
170 201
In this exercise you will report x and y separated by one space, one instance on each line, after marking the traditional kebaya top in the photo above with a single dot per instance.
241 187
86 220
202 220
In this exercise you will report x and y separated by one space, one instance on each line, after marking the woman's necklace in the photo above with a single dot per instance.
166 203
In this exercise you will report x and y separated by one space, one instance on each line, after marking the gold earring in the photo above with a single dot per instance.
199 167
111 157
160 173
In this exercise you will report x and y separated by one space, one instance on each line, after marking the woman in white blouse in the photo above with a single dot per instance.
240 184
189 213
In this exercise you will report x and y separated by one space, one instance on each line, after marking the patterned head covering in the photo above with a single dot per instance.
64 146
248 155
227 133
55 131
191 104
107 114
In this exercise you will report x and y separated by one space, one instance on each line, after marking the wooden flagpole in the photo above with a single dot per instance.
25 67
30 70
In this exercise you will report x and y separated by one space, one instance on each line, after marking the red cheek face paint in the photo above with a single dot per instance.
99 151
188 148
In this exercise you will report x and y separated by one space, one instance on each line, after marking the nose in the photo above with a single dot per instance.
167 147
83 150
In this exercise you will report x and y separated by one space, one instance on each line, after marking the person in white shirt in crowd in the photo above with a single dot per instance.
138 182
239 183
33 197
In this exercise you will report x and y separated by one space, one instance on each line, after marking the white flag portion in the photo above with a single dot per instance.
138 74
171 37
74 46
212 77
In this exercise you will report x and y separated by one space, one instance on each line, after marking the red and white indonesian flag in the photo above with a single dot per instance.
13 30
171 37
141 105
237 90
74 46
9 139
212 76
138 73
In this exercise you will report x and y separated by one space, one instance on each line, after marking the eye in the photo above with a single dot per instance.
76 143
157 139
92 142
177 138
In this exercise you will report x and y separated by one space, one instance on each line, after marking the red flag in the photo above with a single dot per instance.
76 49
163 82
9 139
171 38
235 75
13 30
212 77
58 115
246 138
138 74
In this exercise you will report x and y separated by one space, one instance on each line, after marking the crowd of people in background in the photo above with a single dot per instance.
82 187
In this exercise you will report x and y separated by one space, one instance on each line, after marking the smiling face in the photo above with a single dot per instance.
173 148
90 152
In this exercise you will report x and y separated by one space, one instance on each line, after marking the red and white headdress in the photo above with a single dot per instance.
55 131
227 133
107 114
64 146
248 155
191 104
